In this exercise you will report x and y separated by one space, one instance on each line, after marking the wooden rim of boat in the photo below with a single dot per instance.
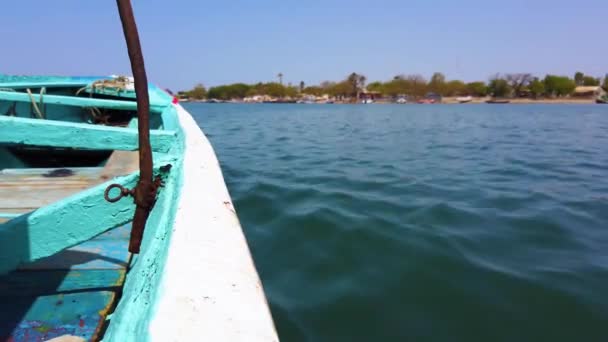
210 287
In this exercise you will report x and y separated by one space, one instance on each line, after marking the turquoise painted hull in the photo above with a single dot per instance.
64 263
65 268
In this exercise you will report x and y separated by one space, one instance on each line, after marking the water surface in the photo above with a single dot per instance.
423 223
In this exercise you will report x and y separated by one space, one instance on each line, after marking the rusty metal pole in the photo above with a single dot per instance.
145 191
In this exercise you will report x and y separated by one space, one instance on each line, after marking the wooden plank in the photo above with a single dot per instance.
76 101
106 251
30 199
93 254
45 317
23 190
45 282
26 131
120 163
28 174
97 263
60 225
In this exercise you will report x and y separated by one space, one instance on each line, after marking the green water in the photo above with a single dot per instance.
423 223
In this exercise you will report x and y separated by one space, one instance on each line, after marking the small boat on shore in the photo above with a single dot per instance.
214 101
115 221
602 99
498 101
464 99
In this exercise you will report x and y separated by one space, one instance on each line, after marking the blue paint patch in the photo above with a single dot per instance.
107 251
70 292
78 314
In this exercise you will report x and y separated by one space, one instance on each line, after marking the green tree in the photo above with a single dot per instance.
412 85
356 83
417 85
559 85
537 88
518 82
292 91
229 91
274 89
499 87
581 79
455 88
590 81
314 90
578 78
198 92
397 86
341 90
437 83
605 83
376 86
327 84
477 89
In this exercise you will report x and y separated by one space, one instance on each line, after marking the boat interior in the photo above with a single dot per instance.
59 138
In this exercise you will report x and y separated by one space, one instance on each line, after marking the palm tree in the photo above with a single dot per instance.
280 76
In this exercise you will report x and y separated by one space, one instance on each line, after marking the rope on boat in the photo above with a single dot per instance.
118 83
34 105
42 92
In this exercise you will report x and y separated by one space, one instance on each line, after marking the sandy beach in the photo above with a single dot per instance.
452 100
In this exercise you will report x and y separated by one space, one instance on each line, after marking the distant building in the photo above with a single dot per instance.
370 95
588 91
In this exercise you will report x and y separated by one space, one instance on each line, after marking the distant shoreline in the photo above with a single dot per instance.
445 100
478 100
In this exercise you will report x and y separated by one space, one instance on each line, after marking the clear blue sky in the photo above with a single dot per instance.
190 41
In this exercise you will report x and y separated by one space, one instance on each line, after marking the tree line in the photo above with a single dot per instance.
413 85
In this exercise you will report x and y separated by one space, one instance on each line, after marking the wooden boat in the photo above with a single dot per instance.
464 99
498 101
72 262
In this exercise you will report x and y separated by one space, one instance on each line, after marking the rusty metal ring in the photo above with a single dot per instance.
123 192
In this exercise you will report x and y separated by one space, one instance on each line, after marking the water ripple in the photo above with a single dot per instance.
436 223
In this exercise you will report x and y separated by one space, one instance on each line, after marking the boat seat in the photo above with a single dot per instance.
24 190
71 292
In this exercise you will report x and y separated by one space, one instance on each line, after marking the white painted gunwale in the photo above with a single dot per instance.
210 290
